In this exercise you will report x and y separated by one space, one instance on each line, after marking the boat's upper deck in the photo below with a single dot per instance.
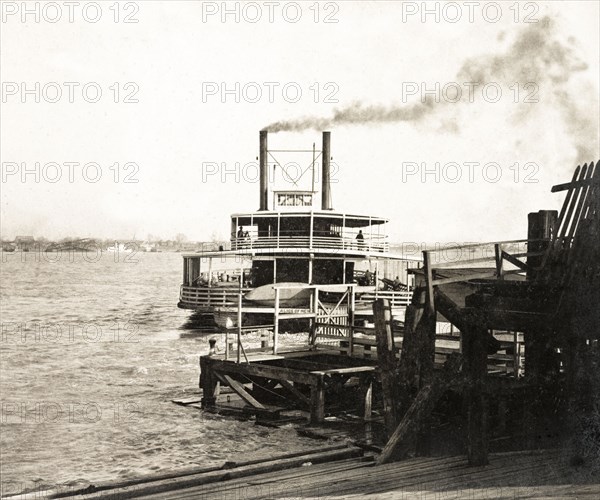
294 225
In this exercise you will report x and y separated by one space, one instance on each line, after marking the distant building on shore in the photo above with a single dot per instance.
24 243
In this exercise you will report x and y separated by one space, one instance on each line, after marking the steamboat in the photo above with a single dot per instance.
292 244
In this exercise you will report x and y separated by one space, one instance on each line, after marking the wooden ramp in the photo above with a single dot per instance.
174 483
532 474
340 472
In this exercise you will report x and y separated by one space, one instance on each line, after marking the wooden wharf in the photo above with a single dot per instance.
526 325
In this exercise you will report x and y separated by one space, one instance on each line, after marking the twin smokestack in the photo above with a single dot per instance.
264 171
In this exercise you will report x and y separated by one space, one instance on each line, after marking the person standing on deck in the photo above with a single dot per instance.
360 239
242 236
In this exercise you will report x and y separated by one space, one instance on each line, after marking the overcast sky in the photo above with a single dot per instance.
366 72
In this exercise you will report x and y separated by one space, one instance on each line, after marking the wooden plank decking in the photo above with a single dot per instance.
337 472
529 474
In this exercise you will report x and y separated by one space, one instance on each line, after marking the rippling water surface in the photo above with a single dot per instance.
92 352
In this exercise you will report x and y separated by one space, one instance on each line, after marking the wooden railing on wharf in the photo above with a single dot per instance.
552 305
333 326
397 298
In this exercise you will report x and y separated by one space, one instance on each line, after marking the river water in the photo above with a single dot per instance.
93 349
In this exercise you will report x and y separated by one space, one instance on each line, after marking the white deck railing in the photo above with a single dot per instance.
210 297
217 296
369 244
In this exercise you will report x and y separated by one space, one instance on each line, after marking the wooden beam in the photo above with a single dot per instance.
266 371
315 328
425 334
496 318
466 277
366 396
539 232
421 407
475 363
429 282
571 185
193 482
450 310
297 316
239 328
276 320
386 355
409 359
351 308
498 252
240 390
515 262
295 392
349 370
208 383
317 402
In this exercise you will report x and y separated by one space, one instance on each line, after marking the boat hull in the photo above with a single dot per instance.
264 296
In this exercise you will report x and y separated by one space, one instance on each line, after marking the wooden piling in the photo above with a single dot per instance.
409 424
386 355
539 228
475 366
366 396
417 360
314 308
276 322
401 441
408 366
208 383
239 328
317 401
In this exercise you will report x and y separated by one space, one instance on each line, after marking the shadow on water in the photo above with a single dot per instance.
197 325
